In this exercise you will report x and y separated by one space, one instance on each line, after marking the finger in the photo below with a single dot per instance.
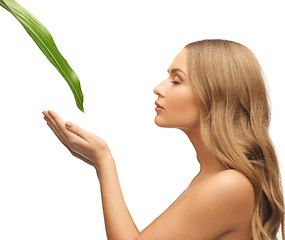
79 131
55 128
72 139
50 119
57 134
57 121
53 125
73 153
63 127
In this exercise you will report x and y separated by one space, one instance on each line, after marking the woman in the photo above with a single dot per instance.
216 95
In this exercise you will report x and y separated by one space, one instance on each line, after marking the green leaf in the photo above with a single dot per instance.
44 40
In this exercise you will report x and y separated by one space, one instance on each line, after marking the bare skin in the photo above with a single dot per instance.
181 111
217 204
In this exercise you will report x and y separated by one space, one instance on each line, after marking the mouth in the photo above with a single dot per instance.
158 109
158 105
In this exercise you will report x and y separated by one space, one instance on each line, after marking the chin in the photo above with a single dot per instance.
163 124
160 123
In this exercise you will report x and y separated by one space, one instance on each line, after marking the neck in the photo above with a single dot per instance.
209 164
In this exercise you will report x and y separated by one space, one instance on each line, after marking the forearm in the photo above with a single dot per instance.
118 221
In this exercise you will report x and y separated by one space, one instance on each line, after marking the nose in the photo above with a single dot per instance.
161 89
156 90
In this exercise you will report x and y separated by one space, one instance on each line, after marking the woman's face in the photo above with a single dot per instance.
178 100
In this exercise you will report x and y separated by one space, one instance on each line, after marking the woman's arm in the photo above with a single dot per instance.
118 221
216 207
94 151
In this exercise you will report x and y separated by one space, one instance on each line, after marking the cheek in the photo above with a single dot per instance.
182 106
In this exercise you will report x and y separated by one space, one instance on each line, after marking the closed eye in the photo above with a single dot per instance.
175 82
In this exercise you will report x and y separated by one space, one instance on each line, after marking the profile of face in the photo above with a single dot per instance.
176 96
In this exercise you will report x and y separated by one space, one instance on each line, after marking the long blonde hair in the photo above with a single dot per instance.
228 82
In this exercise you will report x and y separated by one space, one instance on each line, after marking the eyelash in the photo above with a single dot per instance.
175 82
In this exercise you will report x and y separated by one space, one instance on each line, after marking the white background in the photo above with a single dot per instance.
120 50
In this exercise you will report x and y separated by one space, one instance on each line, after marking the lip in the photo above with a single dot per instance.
158 109
157 104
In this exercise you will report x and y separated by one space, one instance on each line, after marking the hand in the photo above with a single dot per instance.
81 143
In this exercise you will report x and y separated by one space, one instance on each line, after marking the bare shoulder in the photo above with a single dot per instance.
233 181
220 205
231 184
232 189
228 195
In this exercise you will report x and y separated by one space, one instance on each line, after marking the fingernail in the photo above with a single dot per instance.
68 124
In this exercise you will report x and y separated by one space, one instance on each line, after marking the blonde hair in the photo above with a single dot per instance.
229 85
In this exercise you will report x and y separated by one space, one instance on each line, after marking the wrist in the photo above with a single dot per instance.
106 164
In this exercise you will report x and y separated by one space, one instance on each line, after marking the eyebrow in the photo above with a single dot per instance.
175 70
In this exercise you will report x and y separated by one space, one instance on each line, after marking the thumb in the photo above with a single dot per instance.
77 130
68 124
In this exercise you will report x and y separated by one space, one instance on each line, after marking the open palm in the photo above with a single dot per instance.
81 143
